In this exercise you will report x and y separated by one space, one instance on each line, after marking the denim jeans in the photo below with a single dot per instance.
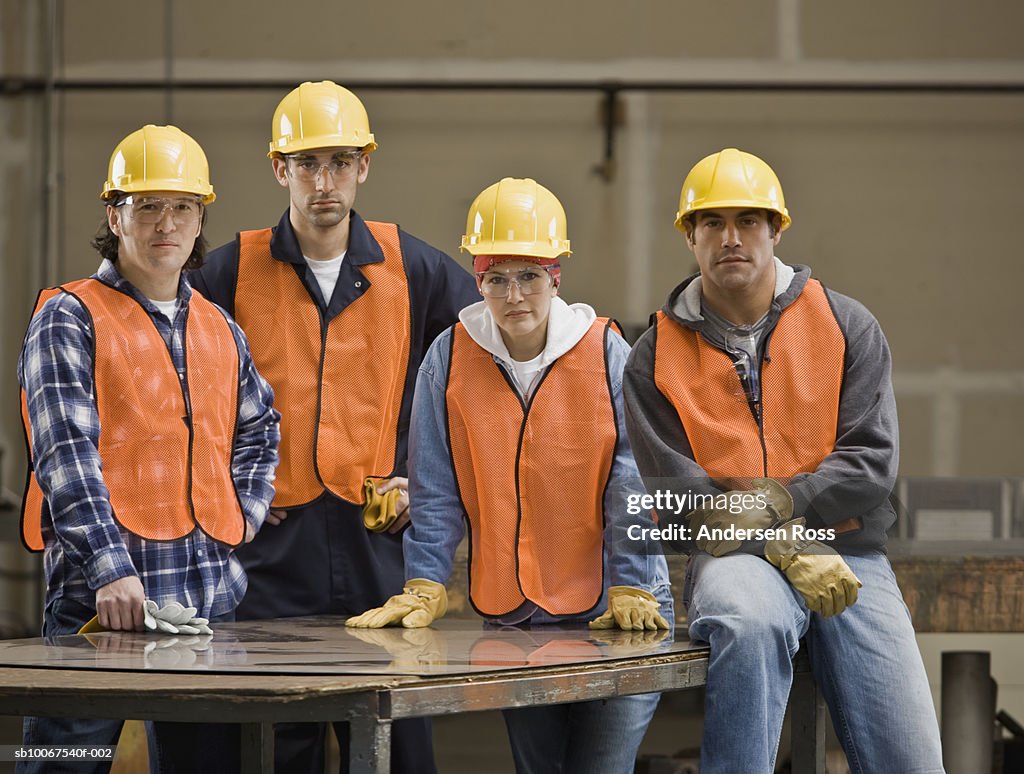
865 661
189 748
582 738
587 737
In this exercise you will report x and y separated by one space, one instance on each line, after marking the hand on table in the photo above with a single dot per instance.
119 604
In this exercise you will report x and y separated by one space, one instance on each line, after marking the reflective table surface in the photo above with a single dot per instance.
325 646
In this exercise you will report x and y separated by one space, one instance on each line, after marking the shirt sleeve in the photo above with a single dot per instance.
452 289
634 558
218 276
437 522
659 442
56 372
860 472
256 445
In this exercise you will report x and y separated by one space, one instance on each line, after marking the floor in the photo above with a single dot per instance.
476 742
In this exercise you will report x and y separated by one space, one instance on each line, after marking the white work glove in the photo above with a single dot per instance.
174 618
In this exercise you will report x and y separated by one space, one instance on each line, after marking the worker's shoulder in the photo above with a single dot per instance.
63 303
435 361
418 249
853 316
227 252
60 316
641 354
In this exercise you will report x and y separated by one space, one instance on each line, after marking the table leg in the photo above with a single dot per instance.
258 747
370 746
807 718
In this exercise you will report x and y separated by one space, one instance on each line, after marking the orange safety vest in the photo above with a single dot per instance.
166 459
800 386
532 476
337 384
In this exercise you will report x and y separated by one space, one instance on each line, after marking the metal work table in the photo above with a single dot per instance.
314 669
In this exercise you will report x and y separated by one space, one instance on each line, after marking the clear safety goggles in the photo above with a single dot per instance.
309 168
185 210
498 284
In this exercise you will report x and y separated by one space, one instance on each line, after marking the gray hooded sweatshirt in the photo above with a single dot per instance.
855 480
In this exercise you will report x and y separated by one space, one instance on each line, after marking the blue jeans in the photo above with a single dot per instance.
322 560
581 738
865 661
584 737
189 748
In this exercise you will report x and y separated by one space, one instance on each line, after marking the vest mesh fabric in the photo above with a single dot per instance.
533 485
163 480
339 393
801 378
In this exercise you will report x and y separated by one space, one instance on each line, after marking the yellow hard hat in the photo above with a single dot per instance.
158 158
516 216
731 178
320 115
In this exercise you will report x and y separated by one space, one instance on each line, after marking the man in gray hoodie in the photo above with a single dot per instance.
754 370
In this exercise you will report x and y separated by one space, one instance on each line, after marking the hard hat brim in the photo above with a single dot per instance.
732 203
526 249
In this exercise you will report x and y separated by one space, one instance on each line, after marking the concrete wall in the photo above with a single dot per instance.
907 201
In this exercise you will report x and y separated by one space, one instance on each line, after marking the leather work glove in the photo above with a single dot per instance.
778 509
411 650
380 511
825 581
172 618
421 602
617 643
631 609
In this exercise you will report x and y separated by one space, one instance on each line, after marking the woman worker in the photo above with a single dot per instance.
517 430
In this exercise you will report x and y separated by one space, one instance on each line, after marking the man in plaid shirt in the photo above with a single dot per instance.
152 457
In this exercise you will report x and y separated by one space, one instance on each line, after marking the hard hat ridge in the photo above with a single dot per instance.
516 216
320 115
158 158
731 178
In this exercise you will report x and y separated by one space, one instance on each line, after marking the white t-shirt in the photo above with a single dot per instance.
166 308
326 273
526 372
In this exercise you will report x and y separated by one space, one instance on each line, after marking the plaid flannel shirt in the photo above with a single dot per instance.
85 547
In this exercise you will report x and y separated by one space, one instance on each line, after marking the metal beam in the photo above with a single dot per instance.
21 86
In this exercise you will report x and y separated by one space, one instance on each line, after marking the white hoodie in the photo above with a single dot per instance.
567 324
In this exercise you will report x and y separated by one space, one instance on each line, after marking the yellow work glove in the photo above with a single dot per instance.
421 602
91 626
412 650
825 581
617 643
778 509
380 510
631 609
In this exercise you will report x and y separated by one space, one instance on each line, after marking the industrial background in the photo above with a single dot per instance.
897 129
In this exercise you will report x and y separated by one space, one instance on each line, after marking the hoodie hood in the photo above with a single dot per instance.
683 304
567 324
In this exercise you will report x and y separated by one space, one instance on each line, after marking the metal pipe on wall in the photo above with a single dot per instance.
968 712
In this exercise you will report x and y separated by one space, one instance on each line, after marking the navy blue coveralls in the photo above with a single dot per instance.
321 559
